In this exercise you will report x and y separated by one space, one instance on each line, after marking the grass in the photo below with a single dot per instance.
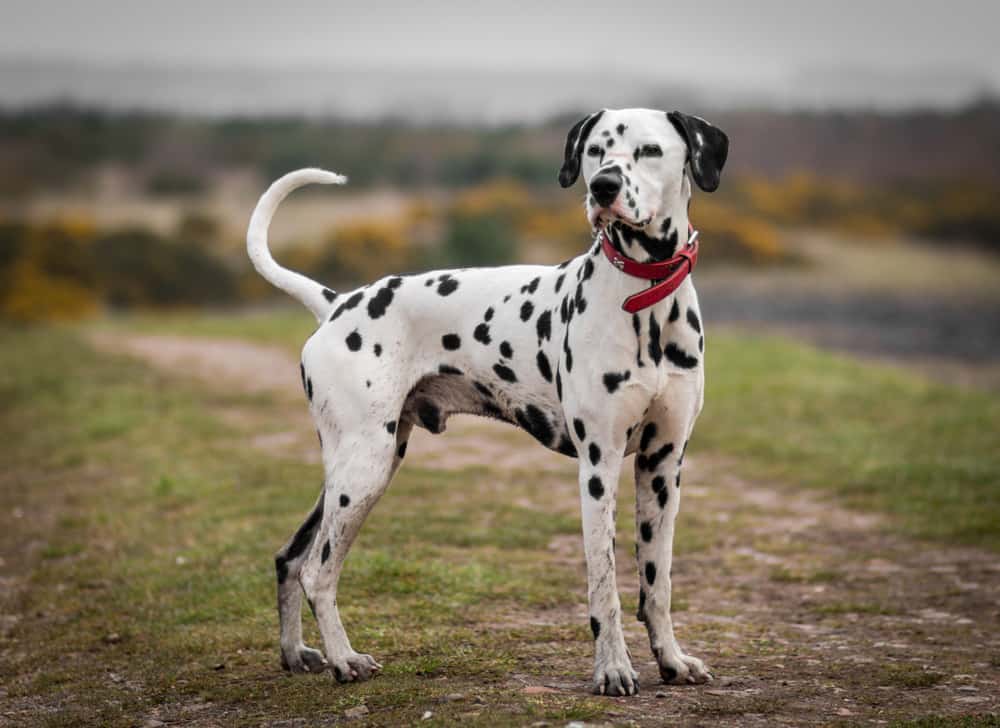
878 437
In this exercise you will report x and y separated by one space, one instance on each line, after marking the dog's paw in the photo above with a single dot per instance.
676 668
354 667
615 678
303 659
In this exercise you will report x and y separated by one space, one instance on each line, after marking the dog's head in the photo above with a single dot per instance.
634 162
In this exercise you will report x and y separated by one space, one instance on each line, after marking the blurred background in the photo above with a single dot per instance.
859 207
836 550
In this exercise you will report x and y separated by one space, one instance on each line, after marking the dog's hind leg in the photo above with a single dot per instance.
295 656
657 486
358 470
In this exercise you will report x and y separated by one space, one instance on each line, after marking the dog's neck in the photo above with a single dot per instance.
660 239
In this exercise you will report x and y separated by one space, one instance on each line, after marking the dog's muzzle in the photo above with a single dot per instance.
605 187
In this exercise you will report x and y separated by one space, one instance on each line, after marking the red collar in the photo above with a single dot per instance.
669 274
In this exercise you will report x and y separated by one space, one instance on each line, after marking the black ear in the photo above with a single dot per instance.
575 140
708 147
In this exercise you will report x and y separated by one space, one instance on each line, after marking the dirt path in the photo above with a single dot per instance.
807 613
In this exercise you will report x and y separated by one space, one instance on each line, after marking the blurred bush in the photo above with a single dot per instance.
66 269
47 271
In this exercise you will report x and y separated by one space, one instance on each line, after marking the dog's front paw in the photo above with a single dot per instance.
302 659
616 677
354 667
676 668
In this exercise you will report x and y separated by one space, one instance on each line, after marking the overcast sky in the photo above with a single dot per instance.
763 45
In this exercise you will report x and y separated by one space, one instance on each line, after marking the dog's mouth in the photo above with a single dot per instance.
601 216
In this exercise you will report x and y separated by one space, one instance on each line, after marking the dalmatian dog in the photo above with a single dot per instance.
548 349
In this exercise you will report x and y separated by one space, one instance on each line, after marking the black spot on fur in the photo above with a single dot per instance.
701 343
613 379
579 300
680 358
620 129
451 341
595 627
567 353
658 484
531 287
378 303
566 447
637 327
447 286
588 269
402 450
378 350
544 368
326 553
486 391
558 385
345 500
505 373
655 353
430 416
301 540
675 311
395 282
596 487
309 388
506 350
641 613
448 369
559 282
692 318
348 304
652 462
581 431
482 334
661 497
648 433
527 308
646 531
390 427
650 572
353 341
533 420
543 326
488 315
595 453
329 295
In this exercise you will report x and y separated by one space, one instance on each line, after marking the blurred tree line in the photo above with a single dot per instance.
501 203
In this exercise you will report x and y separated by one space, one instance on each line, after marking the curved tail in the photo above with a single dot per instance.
306 290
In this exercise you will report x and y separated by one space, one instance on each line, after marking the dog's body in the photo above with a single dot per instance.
546 348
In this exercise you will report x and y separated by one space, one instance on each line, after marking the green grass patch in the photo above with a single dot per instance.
878 437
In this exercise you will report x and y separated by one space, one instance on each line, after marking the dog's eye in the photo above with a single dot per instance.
651 150
593 150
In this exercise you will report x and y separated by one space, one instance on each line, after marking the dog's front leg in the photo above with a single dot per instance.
613 673
658 493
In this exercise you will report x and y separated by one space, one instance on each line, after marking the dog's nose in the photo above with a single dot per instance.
605 187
